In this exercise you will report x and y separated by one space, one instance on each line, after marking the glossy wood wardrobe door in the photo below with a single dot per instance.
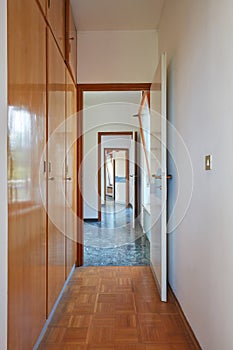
71 174
56 19
71 41
43 5
56 172
26 141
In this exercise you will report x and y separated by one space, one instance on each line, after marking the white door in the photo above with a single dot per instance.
133 177
158 183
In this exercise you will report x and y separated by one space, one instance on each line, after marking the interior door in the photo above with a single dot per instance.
134 177
158 183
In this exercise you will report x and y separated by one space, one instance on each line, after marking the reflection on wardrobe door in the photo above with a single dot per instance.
71 174
56 19
71 41
56 175
26 141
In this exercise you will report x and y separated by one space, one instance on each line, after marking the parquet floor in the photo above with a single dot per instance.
115 308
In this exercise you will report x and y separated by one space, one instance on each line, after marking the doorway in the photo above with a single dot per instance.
82 90
115 165
114 239
116 175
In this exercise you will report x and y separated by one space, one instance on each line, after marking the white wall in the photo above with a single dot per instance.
3 175
197 36
103 117
117 56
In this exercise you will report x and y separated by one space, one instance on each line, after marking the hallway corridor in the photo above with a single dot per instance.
114 241
115 308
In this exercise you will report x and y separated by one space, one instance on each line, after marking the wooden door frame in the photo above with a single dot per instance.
126 150
113 164
100 135
81 88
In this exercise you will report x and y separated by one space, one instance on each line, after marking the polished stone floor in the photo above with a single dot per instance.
114 241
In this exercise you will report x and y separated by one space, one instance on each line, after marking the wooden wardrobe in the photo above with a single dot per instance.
42 166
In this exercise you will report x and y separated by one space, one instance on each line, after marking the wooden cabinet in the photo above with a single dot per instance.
71 174
42 185
56 171
71 41
56 19
26 180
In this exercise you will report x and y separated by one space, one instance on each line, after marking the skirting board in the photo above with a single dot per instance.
36 346
181 313
184 319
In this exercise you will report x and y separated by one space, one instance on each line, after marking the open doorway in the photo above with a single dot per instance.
116 175
109 174
116 162
121 240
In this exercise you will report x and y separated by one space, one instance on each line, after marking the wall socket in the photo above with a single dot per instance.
208 162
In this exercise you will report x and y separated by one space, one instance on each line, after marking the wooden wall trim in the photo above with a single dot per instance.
110 149
116 133
115 87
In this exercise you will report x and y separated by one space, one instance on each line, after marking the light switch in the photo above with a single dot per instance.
208 162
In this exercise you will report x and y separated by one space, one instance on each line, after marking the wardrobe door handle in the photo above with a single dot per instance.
157 177
68 178
49 3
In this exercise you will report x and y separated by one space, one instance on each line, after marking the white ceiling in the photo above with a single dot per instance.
104 15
